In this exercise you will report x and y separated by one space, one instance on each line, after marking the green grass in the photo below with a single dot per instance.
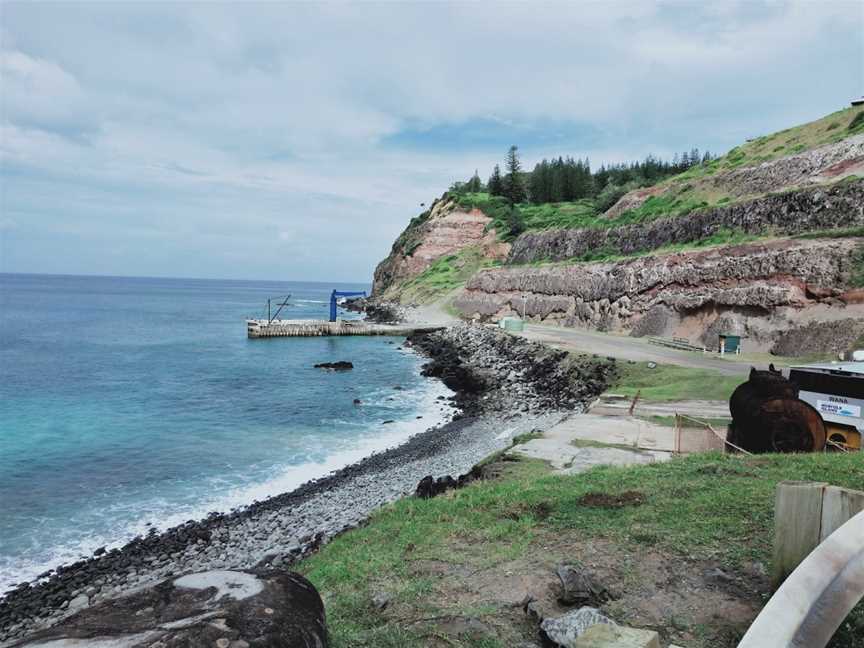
703 507
672 203
445 275
669 421
564 215
856 274
827 130
848 232
673 382
536 217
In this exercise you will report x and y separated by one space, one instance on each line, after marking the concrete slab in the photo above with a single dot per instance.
558 448
613 405
618 430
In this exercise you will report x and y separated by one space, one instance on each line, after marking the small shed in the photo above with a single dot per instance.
511 324
730 343
858 102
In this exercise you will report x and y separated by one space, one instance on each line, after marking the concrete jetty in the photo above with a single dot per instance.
260 328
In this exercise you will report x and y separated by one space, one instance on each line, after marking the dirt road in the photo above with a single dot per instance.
629 348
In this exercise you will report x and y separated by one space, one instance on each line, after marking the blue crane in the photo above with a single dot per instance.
341 293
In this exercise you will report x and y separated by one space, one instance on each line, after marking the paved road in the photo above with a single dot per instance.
629 348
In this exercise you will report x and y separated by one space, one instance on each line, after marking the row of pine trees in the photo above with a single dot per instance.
568 179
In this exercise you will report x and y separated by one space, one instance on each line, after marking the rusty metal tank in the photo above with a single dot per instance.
768 416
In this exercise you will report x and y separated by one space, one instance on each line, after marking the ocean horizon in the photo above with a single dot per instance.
136 403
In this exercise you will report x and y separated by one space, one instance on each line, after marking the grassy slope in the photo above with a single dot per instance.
672 382
688 191
685 192
828 130
704 507
443 276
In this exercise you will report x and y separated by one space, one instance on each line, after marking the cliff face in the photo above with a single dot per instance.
802 180
754 289
835 206
443 230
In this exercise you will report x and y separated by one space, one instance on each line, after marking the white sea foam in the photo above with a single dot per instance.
165 514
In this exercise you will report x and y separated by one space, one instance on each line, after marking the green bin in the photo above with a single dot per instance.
731 343
513 324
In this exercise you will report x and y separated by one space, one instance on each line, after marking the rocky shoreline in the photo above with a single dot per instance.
504 386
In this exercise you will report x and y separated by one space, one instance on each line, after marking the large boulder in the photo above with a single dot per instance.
221 609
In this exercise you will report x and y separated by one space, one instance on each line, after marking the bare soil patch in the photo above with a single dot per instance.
605 500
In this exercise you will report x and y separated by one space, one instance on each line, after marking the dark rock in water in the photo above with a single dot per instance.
388 421
430 487
216 608
580 587
397 387
99 551
357 401
340 365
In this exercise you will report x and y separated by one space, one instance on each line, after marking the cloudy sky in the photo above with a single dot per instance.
295 140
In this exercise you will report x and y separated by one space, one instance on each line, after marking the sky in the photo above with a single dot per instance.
294 141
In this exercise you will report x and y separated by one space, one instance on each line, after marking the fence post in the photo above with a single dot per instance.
797 525
839 505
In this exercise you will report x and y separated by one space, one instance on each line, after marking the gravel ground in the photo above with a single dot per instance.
505 386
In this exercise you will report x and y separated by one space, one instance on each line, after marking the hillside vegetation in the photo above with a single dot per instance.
694 189
444 275
780 165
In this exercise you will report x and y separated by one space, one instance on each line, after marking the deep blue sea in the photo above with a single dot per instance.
128 401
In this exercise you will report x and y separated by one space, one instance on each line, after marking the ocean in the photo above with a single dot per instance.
132 403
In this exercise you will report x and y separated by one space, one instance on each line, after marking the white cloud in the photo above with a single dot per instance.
271 120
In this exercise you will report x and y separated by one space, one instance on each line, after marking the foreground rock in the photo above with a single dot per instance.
430 487
566 629
221 609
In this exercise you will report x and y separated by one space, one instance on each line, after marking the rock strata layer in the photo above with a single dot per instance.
754 289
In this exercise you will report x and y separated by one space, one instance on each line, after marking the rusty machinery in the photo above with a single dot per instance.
768 416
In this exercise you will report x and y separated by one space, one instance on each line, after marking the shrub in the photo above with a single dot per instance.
857 124
610 195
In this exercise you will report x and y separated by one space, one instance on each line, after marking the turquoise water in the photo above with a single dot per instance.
128 401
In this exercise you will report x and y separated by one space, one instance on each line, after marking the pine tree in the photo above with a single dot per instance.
474 184
537 184
513 188
495 186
